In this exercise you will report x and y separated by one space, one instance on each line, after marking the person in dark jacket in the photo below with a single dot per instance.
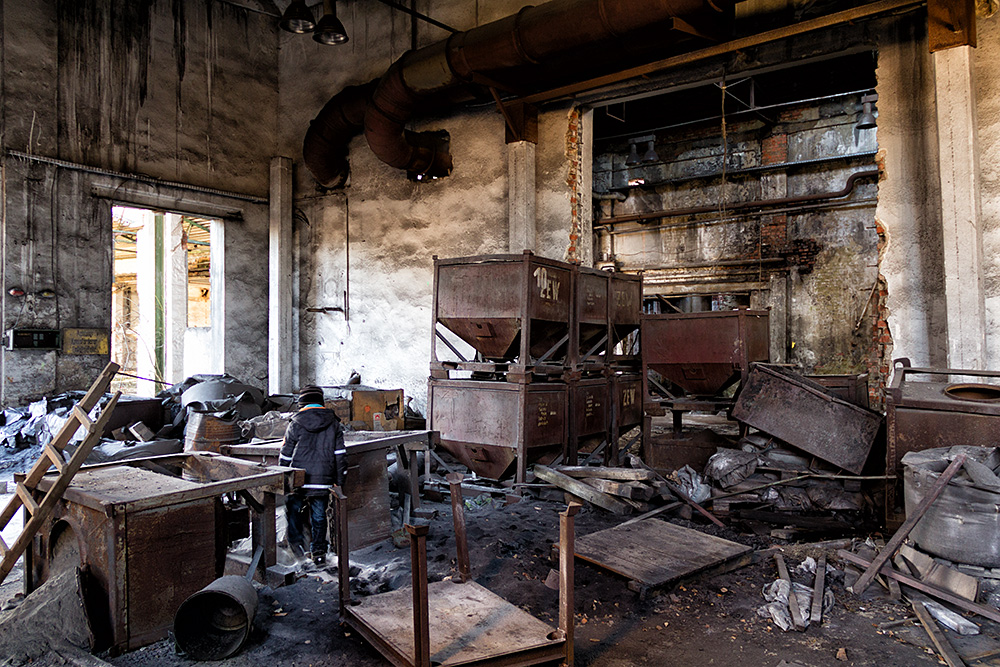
314 442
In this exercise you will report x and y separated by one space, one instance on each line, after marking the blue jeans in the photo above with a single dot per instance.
295 504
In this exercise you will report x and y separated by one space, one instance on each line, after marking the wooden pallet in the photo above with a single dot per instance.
652 553
53 454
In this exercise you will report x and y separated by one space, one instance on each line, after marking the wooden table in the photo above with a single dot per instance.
150 533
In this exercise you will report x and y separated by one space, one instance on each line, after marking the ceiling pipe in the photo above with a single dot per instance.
533 42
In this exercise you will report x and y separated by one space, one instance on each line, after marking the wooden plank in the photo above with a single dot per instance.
654 552
816 613
652 513
983 610
944 647
83 418
26 497
470 624
633 490
793 602
895 594
55 456
897 539
604 472
582 490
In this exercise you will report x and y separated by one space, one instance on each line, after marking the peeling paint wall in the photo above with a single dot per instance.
376 238
184 91
986 66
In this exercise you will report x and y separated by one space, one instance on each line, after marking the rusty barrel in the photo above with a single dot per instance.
207 433
215 622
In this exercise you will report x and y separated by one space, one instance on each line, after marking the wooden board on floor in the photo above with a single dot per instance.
468 625
654 552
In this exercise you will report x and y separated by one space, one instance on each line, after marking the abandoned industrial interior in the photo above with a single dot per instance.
657 332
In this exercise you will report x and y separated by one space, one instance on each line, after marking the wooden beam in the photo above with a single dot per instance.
604 472
581 490
567 551
944 647
816 613
983 610
793 602
897 539
630 490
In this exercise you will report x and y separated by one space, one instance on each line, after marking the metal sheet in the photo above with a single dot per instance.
808 416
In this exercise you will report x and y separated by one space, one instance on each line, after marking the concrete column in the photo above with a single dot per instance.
958 159
521 195
175 296
280 343
146 288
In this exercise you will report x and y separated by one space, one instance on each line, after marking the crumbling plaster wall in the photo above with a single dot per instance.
986 64
909 205
180 91
375 238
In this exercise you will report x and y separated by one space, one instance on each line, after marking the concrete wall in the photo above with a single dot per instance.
909 206
139 86
986 64
375 238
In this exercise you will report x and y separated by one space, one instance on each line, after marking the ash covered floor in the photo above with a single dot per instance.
710 620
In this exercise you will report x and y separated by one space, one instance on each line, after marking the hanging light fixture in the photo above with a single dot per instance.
633 155
650 154
298 18
866 120
330 30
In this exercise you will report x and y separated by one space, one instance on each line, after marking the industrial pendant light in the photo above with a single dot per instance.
866 120
633 155
298 18
650 154
330 30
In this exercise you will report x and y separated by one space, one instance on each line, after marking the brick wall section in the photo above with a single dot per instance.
774 149
575 156
879 365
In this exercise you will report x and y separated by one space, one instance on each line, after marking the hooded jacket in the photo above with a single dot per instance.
314 442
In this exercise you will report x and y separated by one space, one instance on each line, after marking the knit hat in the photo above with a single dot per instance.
310 394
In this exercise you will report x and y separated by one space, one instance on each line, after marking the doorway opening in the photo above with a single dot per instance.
161 298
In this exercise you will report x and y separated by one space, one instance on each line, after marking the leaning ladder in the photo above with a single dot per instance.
53 455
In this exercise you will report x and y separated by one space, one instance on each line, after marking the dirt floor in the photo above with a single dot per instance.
710 620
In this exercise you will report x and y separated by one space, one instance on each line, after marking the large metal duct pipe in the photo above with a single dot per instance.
589 32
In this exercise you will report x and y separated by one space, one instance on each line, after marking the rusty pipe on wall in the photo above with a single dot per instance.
740 206
585 32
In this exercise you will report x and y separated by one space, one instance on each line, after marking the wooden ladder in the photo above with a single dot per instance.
53 455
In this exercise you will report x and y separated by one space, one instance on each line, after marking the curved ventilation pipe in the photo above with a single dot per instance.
587 33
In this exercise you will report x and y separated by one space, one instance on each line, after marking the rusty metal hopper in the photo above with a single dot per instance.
490 425
704 353
497 303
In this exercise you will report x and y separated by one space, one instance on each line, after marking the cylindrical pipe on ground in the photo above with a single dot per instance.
215 622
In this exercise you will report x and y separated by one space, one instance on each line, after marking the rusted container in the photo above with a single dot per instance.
808 416
207 433
852 388
489 426
589 414
590 317
928 408
505 306
626 317
627 391
704 353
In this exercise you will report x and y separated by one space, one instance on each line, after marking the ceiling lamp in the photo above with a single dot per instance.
650 154
867 119
330 30
633 155
298 18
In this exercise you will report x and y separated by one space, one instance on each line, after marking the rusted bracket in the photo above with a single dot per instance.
521 119
950 24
